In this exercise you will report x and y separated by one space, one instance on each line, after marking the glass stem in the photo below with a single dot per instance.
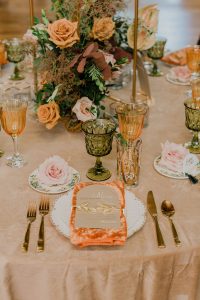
16 70
195 140
15 144
98 165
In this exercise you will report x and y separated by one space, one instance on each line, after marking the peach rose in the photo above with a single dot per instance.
103 29
48 114
63 33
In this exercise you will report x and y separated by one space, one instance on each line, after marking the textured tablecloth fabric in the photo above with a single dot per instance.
137 271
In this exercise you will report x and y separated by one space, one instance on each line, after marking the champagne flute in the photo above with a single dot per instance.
13 120
193 60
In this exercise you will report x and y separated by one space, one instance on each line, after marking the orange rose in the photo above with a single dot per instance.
63 33
103 29
48 114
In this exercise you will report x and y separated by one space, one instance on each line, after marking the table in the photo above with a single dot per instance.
139 270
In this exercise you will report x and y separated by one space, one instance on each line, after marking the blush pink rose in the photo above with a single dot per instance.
173 156
182 73
54 171
84 109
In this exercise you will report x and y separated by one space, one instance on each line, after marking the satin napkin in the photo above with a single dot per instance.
83 237
177 158
176 58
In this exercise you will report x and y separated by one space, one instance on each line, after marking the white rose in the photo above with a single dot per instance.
85 110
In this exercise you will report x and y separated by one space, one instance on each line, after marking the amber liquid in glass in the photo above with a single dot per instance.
193 59
14 121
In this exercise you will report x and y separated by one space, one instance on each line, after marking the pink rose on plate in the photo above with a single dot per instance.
54 171
85 109
173 156
181 73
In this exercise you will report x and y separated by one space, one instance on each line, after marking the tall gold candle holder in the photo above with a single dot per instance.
135 24
35 76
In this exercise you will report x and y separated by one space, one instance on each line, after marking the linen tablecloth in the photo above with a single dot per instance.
139 270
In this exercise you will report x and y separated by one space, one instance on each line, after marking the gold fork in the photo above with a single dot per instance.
31 216
43 210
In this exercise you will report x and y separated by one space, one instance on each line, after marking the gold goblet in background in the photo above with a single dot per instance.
156 52
16 53
13 120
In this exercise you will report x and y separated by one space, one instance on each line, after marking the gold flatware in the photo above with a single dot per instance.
31 216
168 210
153 212
43 210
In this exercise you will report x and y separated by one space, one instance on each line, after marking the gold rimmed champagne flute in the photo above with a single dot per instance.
193 60
13 120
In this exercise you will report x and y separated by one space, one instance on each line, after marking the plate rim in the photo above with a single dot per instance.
75 172
173 81
158 170
131 230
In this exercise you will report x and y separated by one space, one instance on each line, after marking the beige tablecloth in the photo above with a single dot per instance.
139 270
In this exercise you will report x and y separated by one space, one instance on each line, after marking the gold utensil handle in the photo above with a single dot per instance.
40 243
160 240
26 238
175 234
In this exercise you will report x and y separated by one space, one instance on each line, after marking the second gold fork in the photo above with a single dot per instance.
43 210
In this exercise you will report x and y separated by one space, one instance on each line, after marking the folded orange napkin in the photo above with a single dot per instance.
83 237
176 58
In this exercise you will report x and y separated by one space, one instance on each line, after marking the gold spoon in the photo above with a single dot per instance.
168 210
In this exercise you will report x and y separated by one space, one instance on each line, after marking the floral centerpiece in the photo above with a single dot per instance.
78 51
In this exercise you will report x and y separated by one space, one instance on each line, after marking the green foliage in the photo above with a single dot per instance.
121 28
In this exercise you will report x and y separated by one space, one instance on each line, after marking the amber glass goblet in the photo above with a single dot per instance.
98 138
192 122
131 120
193 60
16 53
13 120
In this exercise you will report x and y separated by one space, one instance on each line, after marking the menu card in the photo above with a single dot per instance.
97 206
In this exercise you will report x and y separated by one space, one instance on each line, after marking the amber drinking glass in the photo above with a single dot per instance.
193 60
128 161
98 138
131 120
13 120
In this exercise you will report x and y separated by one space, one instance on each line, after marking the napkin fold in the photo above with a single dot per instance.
176 58
180 73
177 158
83 237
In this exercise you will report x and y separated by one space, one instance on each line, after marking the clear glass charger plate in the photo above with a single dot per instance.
38 186
171 79
135 213
168 173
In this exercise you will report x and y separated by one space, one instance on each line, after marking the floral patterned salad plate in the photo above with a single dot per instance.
37 185
169 173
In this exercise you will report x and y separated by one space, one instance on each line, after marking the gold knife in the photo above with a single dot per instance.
153 212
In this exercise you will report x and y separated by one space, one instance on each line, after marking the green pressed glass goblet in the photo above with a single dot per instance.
192 122
98 138
16 53
156 52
